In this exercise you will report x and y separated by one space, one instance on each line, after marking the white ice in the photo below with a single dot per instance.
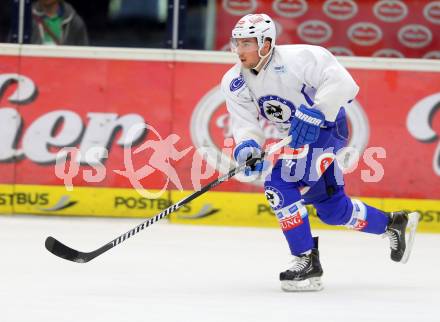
202 274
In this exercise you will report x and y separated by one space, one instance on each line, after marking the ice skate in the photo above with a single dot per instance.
401 231
305 275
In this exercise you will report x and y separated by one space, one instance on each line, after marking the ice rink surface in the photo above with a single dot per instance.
198 273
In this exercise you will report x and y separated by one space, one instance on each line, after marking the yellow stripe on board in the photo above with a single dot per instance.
252 209
212 208
81 201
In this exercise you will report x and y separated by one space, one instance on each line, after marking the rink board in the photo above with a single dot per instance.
213 208
40 87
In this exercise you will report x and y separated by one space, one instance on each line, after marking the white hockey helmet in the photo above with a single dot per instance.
258 26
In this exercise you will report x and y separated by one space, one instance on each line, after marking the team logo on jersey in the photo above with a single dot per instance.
236 83
415 36
388 53
340 9
323 162
364 33
211 131
432 12
275 198
279 69
390 10
290 8
276 109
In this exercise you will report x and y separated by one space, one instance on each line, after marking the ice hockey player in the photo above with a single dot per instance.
303 91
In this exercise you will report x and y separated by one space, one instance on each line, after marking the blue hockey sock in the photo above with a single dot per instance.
339 209
294 222
367 219
299 238
377 221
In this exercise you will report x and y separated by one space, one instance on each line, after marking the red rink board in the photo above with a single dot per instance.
165 95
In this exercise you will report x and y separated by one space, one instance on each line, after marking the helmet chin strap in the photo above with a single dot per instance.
262 59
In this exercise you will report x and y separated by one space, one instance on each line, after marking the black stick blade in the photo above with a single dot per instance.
59 249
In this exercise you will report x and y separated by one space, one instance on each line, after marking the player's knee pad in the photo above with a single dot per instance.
279 194
286 203
336 210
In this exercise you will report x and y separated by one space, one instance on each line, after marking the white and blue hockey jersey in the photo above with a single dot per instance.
293 75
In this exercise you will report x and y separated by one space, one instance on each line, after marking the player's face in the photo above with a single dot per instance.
247 51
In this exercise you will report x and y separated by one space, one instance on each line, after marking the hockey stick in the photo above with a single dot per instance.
59 249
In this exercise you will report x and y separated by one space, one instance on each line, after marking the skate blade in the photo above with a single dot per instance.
309 285
413 222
